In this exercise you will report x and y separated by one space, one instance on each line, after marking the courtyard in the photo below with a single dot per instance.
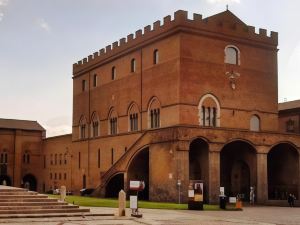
250 215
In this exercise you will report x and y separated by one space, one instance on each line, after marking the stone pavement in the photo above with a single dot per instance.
249 216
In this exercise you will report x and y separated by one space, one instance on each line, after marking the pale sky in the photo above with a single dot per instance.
41 39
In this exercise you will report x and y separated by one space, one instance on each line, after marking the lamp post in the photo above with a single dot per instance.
178 184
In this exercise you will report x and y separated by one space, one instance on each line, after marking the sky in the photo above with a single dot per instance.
41 39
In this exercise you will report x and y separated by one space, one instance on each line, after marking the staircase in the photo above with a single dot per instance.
15 202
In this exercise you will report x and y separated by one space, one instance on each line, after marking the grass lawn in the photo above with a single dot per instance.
105 202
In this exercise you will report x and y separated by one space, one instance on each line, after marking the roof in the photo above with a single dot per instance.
289 105
20 124
226 17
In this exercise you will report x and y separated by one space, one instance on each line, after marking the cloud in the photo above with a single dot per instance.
3 4
223 1
43 24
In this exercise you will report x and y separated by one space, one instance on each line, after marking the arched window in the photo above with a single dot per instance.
95 79
95 125
113 122
133 117
254 123
26 157
155 56
209 111
113 73
154 113
82 128
133 65
232 55
3 157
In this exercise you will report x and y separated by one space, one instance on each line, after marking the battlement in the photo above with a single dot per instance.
225 23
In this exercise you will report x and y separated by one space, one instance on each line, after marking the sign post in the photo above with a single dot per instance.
135 186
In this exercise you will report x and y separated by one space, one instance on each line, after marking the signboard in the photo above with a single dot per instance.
222 191
136 185
191 194
133 201
232 199
195 195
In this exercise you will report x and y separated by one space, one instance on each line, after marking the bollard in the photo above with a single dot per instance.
122 203
63 193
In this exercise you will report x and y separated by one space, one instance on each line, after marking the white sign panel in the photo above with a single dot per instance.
191 193
134 184
133 202
232 199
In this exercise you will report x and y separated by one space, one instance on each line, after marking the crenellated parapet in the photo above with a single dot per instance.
223 24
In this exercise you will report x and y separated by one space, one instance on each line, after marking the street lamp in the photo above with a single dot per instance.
178 184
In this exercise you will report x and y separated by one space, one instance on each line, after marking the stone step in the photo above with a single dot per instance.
29 200
31 203
48 215
39 207
43 211
17 193
23 196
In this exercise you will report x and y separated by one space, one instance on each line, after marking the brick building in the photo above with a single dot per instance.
182 99
20 152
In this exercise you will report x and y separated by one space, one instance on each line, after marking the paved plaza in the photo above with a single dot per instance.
250 215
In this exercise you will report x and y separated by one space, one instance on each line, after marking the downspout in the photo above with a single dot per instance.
141 120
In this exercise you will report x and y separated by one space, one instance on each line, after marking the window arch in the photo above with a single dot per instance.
154 113
113 122
133 65
82 128
95 125
155 56
209 111
232 55
254 123
133 117
113 73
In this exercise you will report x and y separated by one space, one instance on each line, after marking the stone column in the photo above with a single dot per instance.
262 174
214 172
182 164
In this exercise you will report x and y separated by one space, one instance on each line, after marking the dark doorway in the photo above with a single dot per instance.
235 161
283 172
29 182
240 178
198 164
114 186
139 170
5 180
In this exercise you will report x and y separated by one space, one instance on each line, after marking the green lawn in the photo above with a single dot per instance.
104 202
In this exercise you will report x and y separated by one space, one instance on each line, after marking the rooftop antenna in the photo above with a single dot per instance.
227 7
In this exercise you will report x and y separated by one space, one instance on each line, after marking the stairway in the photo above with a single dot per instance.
18 201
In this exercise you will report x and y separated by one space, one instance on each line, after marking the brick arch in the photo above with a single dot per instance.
218 108
111 112
285 142
131 106
199 137
241 140
153 100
